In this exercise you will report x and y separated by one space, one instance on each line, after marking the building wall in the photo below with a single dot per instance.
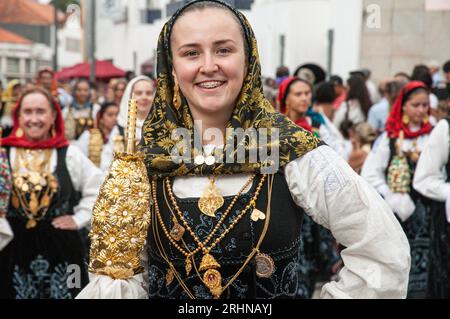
408 35
30 58
305 24
70 43
128 44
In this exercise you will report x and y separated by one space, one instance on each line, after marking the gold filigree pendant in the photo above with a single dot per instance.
31 224
211 200
257 215
188 266
169 276
212 278
265 266
177 232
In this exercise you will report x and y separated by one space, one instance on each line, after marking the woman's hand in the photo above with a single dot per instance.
65 222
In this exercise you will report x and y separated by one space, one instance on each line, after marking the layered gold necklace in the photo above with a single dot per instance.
33 184
212 277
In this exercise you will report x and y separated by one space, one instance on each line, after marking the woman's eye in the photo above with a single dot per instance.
191 53
223 51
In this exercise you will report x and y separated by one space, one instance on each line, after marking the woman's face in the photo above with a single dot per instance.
118 91
417 107
36 117
143 92
299 97
82 92
209 61
17 90
109 117
46 79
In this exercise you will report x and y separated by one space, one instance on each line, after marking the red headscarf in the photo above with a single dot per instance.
394 122
282 102
304 124
58 140
282 91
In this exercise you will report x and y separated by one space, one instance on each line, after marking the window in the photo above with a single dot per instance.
28 66
13 65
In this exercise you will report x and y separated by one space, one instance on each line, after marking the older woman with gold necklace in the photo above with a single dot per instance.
54 189
225 219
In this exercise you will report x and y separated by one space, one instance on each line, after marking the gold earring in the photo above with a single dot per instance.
426 119
176 96
405 119
19 132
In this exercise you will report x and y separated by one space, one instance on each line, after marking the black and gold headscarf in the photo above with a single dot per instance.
252 111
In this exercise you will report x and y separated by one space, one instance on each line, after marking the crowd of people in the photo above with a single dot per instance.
364 179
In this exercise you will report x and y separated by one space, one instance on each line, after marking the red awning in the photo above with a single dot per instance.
103 70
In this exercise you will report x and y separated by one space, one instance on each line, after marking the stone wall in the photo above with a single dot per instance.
407 35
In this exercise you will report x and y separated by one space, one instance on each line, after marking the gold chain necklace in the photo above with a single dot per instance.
36 181
212 278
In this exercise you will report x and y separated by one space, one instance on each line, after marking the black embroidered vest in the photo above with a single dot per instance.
281 242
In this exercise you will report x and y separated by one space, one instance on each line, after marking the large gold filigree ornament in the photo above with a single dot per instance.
121 216
33 184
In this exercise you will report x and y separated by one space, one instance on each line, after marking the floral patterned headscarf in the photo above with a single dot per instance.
252 111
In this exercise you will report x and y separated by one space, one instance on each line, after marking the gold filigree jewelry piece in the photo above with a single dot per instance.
118 144
176 96
212 277
213 280
188 266
398 172
121 214
208 262
95 146
70 125
19 133
177 231
414 154
33 184
265 266
257 215
169 276
406 119
211 199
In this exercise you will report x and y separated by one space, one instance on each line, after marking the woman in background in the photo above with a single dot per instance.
390 170
53 191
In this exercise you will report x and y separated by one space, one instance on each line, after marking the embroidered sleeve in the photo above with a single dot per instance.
429 177
86 178
376 258
373 170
